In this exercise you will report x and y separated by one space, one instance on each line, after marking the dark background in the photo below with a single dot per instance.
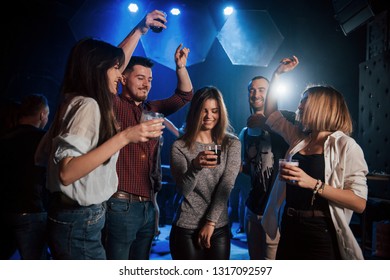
37 38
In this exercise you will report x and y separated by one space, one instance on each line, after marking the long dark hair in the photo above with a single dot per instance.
86 75
194 118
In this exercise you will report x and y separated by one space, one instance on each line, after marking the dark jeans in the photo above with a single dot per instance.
307 239
75 232
130 229
183 244
27 233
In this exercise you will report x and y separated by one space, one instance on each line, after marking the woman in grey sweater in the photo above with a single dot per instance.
200 227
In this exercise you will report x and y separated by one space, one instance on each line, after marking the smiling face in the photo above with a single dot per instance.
210 114
257 94
137 83
114 76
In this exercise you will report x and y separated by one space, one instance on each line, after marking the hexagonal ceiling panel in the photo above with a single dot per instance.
194 27
250 37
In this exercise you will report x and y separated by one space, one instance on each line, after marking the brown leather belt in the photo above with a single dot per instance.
130 197
63 200
306 213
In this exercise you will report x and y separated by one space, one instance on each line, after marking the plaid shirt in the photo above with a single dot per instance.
137 161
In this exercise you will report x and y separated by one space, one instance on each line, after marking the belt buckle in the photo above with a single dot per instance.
140 198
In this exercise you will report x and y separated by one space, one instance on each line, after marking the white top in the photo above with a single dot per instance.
79 134
345 168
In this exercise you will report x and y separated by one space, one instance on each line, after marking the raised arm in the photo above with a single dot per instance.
130 42
171 127
183 79
286 65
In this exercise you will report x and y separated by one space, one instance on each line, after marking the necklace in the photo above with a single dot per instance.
308 147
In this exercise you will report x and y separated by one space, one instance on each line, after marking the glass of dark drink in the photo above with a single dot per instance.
216 149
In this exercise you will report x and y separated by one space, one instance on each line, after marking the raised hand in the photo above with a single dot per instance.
287 64
181 55
152 19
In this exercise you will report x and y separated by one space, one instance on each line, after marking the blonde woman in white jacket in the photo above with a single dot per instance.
313 203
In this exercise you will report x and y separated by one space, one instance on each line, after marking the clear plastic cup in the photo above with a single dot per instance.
150 115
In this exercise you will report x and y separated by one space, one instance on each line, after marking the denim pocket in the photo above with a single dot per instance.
117 205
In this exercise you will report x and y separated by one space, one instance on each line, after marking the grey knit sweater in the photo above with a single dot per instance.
205 193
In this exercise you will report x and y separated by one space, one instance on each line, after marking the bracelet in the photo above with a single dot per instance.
321 189
315 190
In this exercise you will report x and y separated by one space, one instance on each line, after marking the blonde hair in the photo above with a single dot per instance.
326 110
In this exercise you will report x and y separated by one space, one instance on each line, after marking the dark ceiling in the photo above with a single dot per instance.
38 38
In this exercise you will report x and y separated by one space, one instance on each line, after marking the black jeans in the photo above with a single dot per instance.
183 244
307 239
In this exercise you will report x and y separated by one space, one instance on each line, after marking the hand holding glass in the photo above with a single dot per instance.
216 149
150 115
283 162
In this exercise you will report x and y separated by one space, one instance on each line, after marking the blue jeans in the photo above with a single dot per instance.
75 232
130 229
260 245
30 234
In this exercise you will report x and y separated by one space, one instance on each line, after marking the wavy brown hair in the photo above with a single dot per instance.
221 132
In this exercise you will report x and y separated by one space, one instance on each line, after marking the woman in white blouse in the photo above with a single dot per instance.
83 143
321 194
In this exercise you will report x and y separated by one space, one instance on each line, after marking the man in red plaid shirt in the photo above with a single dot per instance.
132 219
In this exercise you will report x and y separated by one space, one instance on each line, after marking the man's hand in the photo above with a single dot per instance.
152 19
181 55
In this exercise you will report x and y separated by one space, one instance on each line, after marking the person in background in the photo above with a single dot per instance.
321 194
200 229
82 145
132 211
236 206
9 110
24 195
261 151
167 197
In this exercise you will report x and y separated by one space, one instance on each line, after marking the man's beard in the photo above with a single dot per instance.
140 98
259 108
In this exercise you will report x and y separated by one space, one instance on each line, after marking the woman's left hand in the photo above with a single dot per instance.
296 176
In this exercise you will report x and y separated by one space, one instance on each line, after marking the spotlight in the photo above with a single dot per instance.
228 11
175 11
281 89
133 7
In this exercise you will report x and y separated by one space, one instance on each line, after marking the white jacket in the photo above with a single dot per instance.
345 168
